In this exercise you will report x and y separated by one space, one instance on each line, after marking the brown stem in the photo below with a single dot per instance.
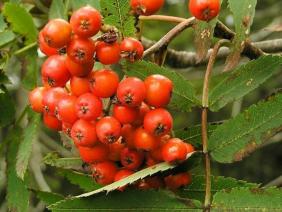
205 98
205 105
172 19
170 36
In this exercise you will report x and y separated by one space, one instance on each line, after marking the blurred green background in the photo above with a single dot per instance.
262 166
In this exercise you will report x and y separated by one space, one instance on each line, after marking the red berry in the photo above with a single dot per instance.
97 153
89 107
79 86
127 133
115 150
54 71
51 99
66 109
83 133
104 172
146 7
52 122
143 110
121 174
104 83
43 46
35 98
124 114
131 159
189 148
174 150
108 53
131 92
158 122
131 49
155 182
66 128
108 130
144 140
86 21
176 181
160 85
81 50
57 33
204 10
79 70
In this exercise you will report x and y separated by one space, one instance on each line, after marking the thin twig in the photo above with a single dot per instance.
184 59
205 98
165 18
170 36
276 182
26 48
205 105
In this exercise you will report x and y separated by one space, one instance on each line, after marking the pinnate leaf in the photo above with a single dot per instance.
6 37
244 80
238 137
57 10
248 199
243 14
25 148
193 135
183 97
76 4
117 13
21 21
131 200
53 159
17 193
84 181
196 190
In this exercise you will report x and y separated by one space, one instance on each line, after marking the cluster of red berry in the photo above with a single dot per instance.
133 130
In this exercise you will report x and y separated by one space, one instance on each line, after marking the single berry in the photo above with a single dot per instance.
108 130
131 92
35 98
146 7
88 107
103 83
174 150
57 33
131 49
204 10
158 122
104 172
160 85
54 71
108 53
86 22
66 109
131 159
94 154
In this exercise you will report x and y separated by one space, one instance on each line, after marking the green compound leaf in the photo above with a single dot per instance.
21 21
196 190
53 159
6 37
76 4
248 199
131 200
243 14
48 197
243 80
117 13
238 137
57 10
183 98
84 181
25 149
193 135
17 193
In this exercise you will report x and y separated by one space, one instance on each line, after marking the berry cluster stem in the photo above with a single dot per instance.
205 106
